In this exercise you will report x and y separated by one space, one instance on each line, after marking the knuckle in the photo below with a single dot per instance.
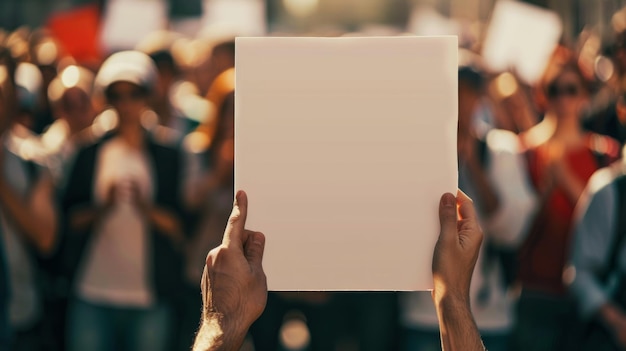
234 216
216 255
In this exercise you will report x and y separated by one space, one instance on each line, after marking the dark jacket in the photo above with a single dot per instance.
166 261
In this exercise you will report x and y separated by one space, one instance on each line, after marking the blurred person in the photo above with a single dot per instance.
37 57
610 119
598 272
45 54
28 218
607 115
214 131
511 105
124 209
214 142
158 46
234 270
561 157
213 196
29 85
70 96
221 58
493 172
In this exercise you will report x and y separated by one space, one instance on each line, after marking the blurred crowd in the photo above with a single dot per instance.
116 179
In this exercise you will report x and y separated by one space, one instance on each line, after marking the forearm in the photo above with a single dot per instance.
214 335
457 326
38 228
82 219
166 222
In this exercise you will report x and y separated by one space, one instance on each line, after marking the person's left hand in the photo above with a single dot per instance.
234 287
457 249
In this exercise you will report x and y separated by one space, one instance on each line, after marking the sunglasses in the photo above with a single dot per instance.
570 90
115 97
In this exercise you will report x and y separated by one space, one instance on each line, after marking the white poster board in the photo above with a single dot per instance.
345 146
127 22
521 37
239 17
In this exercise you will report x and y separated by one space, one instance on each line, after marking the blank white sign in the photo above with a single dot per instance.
345 146
522 38
127 22
239 17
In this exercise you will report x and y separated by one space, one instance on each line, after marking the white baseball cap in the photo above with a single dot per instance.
127 66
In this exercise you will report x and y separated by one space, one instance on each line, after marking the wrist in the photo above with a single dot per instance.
220 333
445 294
451 300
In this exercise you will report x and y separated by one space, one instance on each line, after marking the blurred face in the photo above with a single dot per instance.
129 100
566 94
77 108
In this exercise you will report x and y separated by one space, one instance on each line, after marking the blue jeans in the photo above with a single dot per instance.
97 327
426 340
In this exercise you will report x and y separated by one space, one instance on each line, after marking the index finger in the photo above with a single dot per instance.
234 233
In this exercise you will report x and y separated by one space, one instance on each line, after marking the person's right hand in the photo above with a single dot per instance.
234 287
457 249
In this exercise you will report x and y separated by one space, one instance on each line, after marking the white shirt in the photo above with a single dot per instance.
116 267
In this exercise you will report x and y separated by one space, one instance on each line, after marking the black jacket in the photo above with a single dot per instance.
166 262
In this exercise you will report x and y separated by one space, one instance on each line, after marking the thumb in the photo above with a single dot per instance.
254 248
448 217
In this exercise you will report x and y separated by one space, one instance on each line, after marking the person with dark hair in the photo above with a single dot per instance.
124 216
234 286
607 115
70 96
158 46
561 158
28 222
221 58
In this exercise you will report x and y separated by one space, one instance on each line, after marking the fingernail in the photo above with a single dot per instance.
237 197
449 200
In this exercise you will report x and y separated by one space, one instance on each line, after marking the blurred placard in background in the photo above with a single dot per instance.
77 31
521 38
241 17
127 22
345 146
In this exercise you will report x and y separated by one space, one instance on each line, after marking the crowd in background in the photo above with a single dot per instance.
116 179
